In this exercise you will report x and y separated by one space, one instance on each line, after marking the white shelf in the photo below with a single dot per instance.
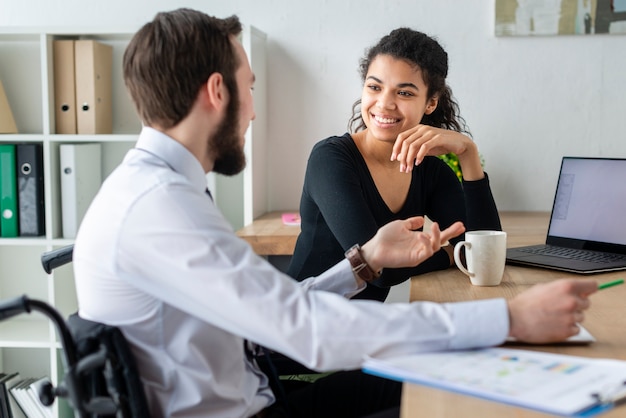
23 241
31 333
29 343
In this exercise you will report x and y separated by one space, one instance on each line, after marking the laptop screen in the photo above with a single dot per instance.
590 201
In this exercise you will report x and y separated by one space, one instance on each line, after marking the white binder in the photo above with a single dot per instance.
81 177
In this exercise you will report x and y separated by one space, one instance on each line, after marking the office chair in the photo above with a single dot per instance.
100 375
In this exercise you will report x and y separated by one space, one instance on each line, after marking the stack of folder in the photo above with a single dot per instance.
8 404
19 397
21 190
82 87
22 187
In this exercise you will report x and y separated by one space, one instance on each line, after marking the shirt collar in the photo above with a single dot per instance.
174 154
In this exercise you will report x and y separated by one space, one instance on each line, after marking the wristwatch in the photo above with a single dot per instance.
359 266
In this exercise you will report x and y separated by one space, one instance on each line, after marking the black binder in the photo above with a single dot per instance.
6 404
30 189
4 397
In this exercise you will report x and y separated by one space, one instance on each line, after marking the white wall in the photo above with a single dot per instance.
528 101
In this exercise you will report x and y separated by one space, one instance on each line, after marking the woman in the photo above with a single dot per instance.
387 168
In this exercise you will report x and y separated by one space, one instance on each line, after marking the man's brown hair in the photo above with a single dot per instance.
170 58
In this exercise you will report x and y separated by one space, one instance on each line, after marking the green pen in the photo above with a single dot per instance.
609 284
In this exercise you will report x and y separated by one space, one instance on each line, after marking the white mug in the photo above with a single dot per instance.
485 254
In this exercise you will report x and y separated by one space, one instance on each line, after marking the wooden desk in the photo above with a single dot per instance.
269 236
605 320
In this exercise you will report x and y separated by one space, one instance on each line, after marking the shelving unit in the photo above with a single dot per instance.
243 198
28 343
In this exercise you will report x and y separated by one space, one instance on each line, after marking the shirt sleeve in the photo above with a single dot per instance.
337 280
211 274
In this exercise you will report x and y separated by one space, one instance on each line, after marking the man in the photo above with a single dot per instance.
155 257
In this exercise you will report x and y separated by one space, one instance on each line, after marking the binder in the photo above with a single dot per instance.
7 123
554 383
64 87
93 70
9 382
5 409
20 394
32 392
30 194
80 180
8 192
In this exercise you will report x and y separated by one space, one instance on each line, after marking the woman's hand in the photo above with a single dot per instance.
413 145
399 244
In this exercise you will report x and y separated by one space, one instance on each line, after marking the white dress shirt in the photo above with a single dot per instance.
155 257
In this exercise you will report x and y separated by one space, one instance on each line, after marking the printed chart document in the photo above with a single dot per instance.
553 383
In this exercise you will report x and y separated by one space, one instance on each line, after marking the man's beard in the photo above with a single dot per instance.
230 158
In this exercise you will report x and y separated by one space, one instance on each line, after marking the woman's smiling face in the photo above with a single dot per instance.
394 97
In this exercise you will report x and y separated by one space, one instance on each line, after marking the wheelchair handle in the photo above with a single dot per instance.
13 307
23 304
56 258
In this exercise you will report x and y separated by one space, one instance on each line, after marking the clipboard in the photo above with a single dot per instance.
547 382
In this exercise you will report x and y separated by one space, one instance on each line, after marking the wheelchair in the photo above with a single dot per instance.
100 375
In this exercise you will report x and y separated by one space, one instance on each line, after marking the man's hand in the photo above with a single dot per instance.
398 244
549 312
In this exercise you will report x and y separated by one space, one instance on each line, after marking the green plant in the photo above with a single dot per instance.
453 162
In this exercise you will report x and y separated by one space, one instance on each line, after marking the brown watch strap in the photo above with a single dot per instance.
359 266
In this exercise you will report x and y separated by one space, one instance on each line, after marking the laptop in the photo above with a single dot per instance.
587 231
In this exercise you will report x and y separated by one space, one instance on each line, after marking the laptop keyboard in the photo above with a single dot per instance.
574 254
